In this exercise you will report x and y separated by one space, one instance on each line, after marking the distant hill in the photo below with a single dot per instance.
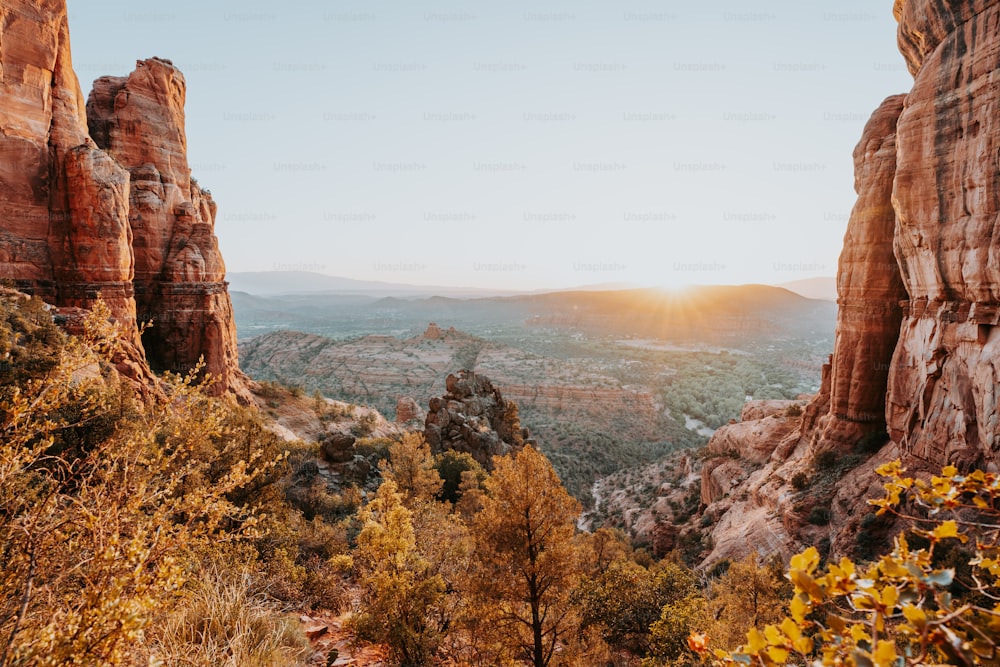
814 288
712 313
729 315
269 283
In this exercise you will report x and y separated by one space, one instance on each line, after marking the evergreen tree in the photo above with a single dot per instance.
527 561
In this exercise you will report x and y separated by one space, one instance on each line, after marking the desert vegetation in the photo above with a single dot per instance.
176 529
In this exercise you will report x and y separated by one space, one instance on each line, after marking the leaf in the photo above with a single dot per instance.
756 641
803 645
890 469
915 615
946 529
791 629
779 654
836 623
885 654
806 584
942 578
805 561
890 596
859 633
798 609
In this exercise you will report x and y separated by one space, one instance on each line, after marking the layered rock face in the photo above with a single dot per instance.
945 382
928 181
63 202
77 226
179 272
869 290
474 417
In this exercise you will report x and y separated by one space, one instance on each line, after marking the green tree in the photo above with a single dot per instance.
452 465
527 561
627 598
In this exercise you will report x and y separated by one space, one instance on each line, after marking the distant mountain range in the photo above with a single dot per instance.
266 283
269 283
719 314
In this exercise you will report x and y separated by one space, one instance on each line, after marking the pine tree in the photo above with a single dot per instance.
527 561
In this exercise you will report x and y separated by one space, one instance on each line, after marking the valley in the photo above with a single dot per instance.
603 390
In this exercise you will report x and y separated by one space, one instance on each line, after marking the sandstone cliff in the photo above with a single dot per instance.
119 219
917 350
179 273
869 290
945 378
64 203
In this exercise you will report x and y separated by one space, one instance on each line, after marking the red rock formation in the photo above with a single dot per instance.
407 410
944 389
869 292
75 222
474 417
179 273
64 204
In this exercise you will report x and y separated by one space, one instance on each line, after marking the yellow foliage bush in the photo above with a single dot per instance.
900 610
108 506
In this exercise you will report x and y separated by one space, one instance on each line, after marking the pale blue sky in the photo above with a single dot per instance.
518 144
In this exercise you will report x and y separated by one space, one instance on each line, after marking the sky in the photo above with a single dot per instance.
518 145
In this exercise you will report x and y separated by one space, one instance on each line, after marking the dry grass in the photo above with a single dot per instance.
224 620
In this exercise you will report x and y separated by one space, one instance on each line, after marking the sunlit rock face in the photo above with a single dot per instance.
943 386
64 204
869 290
115 217
917 336
179 272
473 416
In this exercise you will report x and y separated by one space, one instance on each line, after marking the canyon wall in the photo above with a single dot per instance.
64 203
943 388
869 292
918 331
918 346
119 218
179 272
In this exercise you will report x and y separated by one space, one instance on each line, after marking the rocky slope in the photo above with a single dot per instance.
114 215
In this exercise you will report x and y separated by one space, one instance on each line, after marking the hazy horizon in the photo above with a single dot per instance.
522 146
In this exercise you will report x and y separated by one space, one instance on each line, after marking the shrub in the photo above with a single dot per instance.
825 460
365 425
96 529
900 610
819 516
375 450
793 410
800 481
